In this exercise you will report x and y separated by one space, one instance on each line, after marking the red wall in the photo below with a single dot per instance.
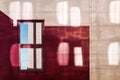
52 35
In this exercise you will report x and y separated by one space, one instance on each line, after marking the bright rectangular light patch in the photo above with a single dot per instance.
78 56
113 53
115 12
75 16
62 12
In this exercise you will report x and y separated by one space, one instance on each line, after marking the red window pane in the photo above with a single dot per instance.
63 53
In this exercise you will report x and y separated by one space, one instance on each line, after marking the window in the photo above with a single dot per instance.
114 13
31 44
63 53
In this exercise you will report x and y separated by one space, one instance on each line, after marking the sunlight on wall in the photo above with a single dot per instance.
39 58
62 12
78 56
14 55
75 16
114 13
65 17
113 53
15 11
63 53
27 10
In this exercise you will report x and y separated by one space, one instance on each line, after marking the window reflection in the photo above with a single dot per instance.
113 53
62 12
115 12
63 53
19 10
15 11
78 56
75 16
27 10
14 55
68 15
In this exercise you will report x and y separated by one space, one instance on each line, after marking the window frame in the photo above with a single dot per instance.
35 45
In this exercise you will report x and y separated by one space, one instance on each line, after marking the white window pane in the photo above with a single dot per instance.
27 10
38 33
23 58
15 11
78 56
115 12
62 12
75 16
113 53
39 58
30 33
30 58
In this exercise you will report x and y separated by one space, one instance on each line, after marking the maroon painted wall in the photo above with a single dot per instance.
52 35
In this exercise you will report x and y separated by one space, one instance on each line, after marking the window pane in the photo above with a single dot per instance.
26 33
23 33
26 58
38 33
78 56
30 33
23 58
115 12
30 58
63 53
113 53
39 58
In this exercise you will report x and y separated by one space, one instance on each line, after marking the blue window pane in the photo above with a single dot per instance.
23 59
23 33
